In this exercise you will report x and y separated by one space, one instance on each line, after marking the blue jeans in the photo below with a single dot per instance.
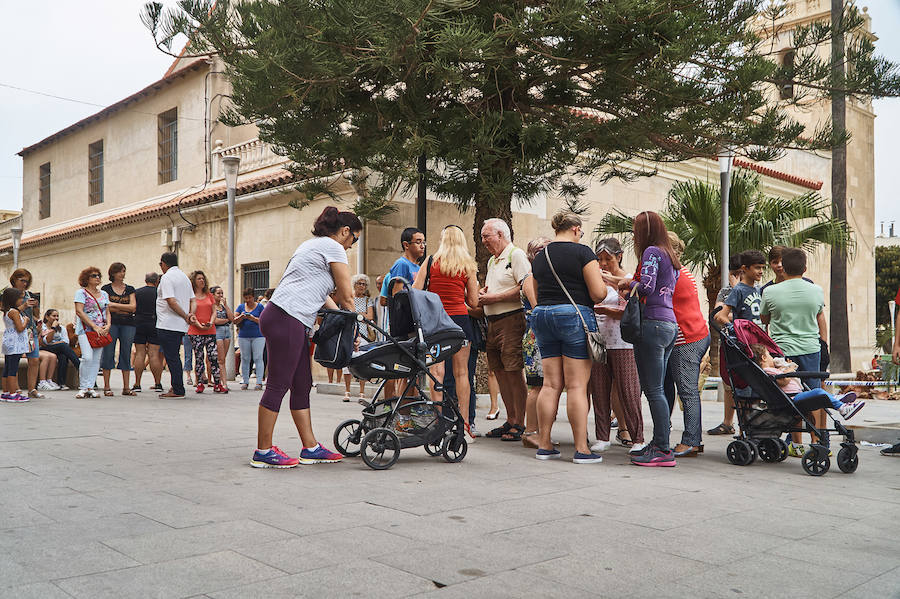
124 334
170 343
652 354
188 352
252 350
560 332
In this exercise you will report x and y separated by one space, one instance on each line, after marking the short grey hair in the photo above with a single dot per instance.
151 278
360 277
499 225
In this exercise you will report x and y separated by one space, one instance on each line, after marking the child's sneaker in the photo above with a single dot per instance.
4 396
848 397
796 450
319 455
16 398
849 410
654 456
273 458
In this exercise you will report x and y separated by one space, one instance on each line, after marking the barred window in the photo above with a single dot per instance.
95 173
256 277
44 193
786 86
167 124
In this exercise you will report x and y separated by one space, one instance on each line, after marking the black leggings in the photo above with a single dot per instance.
66 354
11 365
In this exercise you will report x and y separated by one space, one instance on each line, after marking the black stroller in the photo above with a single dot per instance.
421 335
769 413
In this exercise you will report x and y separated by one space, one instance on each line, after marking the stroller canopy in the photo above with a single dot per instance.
428 312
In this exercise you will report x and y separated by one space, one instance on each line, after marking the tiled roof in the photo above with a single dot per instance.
205 196
739 162
147 91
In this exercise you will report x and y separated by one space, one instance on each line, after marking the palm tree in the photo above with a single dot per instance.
757 221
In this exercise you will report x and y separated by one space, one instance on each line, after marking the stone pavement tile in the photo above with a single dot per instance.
453 525
886 586
347 578
70 506
855 552
71 533
16 516
781 521
299 554
883 525
165 508
543 508
331 518
37 590
13 574
511 584
451 563
712 543
662 514
616 570
68 560
774 576
573 534
178 578
196 540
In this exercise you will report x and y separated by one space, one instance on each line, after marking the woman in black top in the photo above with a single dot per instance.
560 332
121 311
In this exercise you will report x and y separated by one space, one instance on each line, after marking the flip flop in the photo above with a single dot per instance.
498 432
108 393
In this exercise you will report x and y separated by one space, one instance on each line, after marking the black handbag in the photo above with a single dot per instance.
334 338
631 318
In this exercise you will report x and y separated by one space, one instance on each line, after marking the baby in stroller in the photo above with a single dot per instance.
846 404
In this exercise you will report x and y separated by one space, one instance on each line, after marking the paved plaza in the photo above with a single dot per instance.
143 497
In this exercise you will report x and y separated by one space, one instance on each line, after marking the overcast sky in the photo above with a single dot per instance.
98 52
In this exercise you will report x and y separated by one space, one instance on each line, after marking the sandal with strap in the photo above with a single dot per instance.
514 433
108 392
129 392
625 442
721 430
496 433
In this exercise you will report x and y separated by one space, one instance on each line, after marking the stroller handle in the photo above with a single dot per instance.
712 320
802 374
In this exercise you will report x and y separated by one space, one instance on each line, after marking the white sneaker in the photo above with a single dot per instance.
636 448
54 386
849 410
44 386
600 446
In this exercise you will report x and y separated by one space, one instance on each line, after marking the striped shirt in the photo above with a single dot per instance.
307 281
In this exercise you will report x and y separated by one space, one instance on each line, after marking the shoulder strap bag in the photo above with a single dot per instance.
595 343
630 325
95 339
428 272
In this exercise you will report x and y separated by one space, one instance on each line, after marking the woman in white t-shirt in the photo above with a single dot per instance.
317 269
615 384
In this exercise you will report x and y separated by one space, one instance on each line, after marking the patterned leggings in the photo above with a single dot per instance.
207 342
620 371
683 371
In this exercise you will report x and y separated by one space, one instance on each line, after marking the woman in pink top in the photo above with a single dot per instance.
452 277
202 332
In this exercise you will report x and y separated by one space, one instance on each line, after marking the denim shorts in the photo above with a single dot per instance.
560 332
223 331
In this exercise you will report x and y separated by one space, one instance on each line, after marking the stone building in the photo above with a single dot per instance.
144 175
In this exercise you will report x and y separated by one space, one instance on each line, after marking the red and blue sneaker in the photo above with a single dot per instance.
319 455
654 456
17 398
273 458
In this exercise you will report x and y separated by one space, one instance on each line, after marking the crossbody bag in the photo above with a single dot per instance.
595 343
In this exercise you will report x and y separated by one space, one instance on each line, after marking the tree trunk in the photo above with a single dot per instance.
839 327
486 208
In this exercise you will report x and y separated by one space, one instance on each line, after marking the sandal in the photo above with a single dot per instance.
496 433
492 415
514 433
721 430
528 441
129 392
108 392
622 440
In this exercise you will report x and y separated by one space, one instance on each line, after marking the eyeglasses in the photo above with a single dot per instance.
580 233
95 274
355 237
418 242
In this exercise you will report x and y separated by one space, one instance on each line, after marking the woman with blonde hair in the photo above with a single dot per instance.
451 274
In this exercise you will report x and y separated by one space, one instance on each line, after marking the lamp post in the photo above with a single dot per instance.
725 160
16 233
230 165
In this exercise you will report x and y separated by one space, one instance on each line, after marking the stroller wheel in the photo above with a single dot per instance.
770 450
847 460
784 449
380 448
347 437
814 463
740 453
454 448
434 449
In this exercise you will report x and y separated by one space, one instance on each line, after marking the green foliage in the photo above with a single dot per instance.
887 281
757 221
510 98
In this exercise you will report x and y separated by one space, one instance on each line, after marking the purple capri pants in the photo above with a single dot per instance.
288 347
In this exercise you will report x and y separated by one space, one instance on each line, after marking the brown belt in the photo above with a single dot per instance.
496 317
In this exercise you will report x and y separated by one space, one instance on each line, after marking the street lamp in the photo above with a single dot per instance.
725 160
230 165
16 233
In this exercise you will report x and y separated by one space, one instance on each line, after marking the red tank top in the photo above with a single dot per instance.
204 313
451 290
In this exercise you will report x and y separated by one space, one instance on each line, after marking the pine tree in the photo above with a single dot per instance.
512 98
